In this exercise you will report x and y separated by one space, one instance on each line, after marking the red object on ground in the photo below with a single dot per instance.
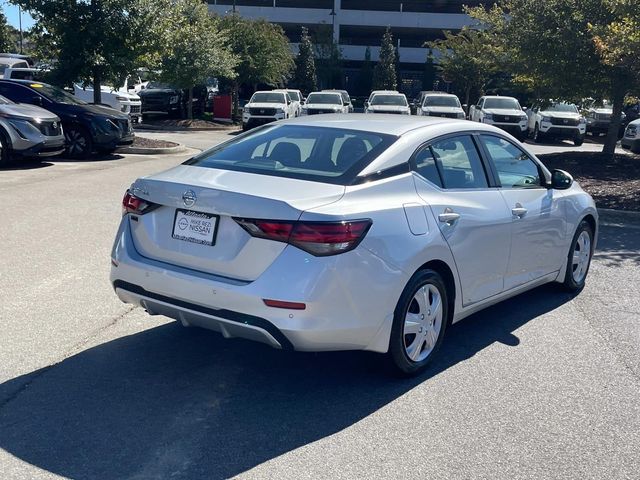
222 107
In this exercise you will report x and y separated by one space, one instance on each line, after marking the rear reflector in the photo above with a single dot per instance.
282 304
317 238
133 204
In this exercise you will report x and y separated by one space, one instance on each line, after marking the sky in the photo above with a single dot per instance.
11 11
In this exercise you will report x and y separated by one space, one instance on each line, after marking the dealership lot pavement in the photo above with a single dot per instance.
542 386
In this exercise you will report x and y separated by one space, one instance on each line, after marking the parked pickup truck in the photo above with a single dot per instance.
163 99
121 100
557 120
265 107
503 112
631 138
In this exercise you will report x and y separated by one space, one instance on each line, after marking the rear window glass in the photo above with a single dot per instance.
329 155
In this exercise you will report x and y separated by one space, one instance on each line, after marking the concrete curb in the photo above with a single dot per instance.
618 217
163 128
153 151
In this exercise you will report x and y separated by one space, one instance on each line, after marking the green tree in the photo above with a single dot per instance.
328 58
467 58
384 73
365 75
305 76
263 52
6 40
95 40
196 48
429 72
590 48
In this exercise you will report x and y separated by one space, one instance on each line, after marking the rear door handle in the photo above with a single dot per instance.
518 211
448 217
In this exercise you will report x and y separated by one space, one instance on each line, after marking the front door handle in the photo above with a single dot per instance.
518 211
448 217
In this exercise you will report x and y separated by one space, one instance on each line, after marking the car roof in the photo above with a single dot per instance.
26 83
439 94
499 96
379 123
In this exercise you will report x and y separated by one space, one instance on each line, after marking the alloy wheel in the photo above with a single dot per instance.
423 323
76 142
581 257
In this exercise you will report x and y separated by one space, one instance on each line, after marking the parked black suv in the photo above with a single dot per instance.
161 98
86 127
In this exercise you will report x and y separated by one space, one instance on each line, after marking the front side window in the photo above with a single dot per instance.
330 155
459 163
515 168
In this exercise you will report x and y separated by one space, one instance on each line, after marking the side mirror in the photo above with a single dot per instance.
561 180
36 100
345 104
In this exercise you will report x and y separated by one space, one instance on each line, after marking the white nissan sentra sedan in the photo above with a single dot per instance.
351 232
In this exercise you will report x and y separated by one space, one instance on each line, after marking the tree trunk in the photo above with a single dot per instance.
467 97
612 135
236 100
190 104
97 92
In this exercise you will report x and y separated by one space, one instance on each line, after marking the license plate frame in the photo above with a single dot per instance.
190 217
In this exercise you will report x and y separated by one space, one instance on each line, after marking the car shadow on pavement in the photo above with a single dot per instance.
26 164
185 403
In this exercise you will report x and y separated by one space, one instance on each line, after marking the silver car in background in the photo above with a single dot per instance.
351 232
28 131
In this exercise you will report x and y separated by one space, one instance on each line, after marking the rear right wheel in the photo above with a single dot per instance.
419 323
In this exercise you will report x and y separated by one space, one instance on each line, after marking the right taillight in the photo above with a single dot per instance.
317 238
136 205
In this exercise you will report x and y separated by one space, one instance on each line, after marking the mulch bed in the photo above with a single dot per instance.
142 142
183 124
613 183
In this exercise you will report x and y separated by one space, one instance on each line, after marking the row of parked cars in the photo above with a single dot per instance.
546 120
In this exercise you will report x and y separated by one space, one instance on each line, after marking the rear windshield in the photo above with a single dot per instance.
502 103
389 100
441 101
267 97
327 98
329 155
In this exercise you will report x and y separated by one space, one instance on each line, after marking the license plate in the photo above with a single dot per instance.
195 227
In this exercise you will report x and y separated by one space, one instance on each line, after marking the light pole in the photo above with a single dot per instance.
20 24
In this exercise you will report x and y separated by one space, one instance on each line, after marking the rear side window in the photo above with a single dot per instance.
330 155
515 168
459 163
426 166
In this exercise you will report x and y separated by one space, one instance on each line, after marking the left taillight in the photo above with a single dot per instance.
136 205
317 238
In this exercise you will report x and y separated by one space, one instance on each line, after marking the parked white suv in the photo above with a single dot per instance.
267 106
503 112
631 139
559 120
297 100
120 100
324 102
388 102
439 104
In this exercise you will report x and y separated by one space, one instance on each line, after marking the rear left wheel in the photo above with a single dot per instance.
419 323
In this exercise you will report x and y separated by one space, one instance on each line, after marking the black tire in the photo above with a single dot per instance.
398 356
571 283
5 151
578 140
78 143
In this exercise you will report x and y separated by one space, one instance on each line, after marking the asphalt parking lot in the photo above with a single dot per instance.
545 385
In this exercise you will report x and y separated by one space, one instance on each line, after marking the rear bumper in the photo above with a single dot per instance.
345 308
